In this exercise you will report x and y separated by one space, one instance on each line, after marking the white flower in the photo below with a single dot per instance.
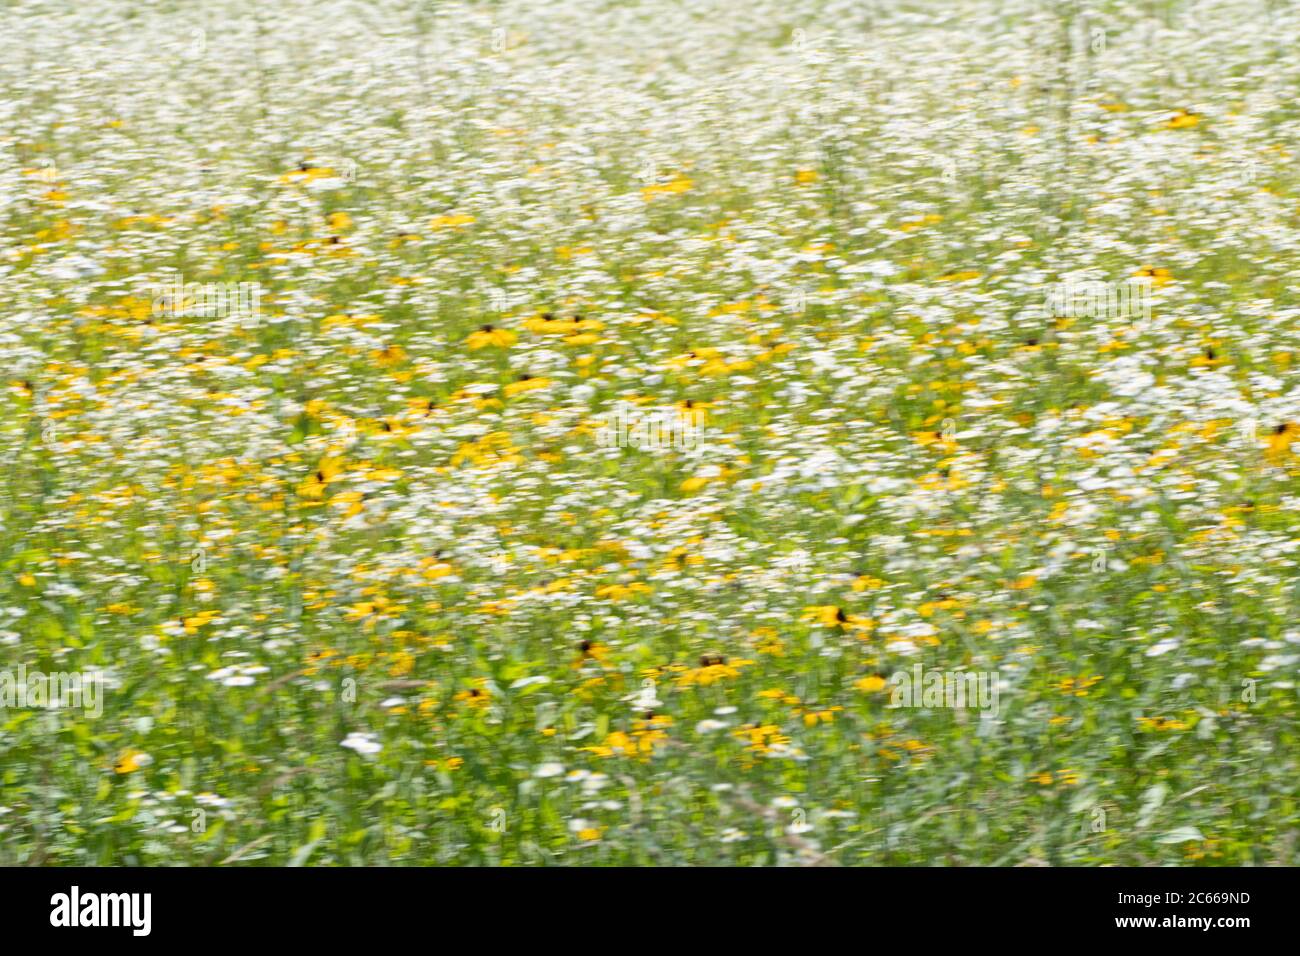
548 770
529 681
362 743
1162 647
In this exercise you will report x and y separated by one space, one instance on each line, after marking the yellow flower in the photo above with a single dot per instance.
1182 119
1209 358
1158 275
548 324
526 383
812 717
929 607
403 664
710 671
618 592
762 739
871 684
306 172
1078 686
941 440
640 743
679 184
476 698
319 657
385 428
192 624
1280 439
767 641
490 335
917 222
351 503
451 222
591 650
365 609
831 615
1161 723
130 761
329 470
388 356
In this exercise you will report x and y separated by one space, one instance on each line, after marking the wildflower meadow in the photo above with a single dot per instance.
577 432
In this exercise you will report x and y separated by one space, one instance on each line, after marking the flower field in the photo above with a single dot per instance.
593 433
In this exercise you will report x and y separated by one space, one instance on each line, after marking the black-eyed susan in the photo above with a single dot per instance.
477 697
1158 275
490 335
1280 439
871 683
525 383
866 582
131 760
451 221
834 616
549 324
712 669
622 592
307 172
1182 119
1161 723
388 356
681 183
327 471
